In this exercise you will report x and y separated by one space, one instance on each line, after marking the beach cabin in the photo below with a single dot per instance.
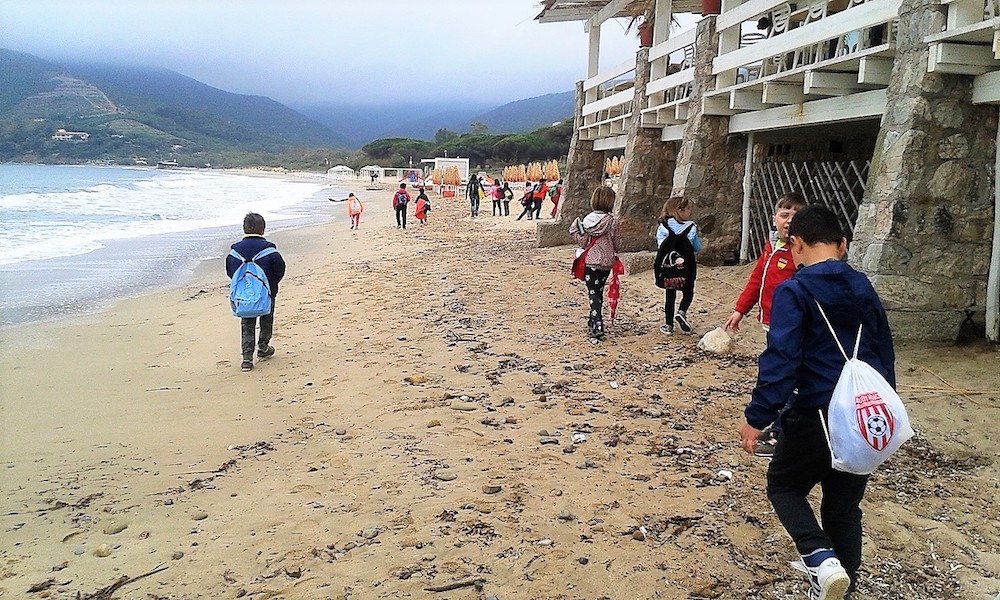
341 172
884 110
370 170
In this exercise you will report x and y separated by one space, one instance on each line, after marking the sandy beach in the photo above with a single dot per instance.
436 416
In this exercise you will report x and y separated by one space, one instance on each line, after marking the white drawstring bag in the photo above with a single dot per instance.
866 422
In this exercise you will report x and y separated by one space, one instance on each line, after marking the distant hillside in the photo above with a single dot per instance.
134 111
362 124
530 113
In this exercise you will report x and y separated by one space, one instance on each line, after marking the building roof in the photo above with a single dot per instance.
554 11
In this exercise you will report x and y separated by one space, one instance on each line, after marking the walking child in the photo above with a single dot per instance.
273 266
423 207
527 201
508 195
540 193
354 210
496 193
675 216
399 201
802 353
599 235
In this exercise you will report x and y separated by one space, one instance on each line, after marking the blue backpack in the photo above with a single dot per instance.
249 290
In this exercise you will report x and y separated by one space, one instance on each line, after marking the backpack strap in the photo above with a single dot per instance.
687 230
237 256
857 342
265 252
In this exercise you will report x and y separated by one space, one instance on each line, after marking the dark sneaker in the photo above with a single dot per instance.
668 329
264 353
764 450
247 365
681 319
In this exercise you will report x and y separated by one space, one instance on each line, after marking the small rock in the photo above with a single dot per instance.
543 433
583 560
79 551
491 488
168 501
544 542
340 431
566 515
369 533
415 379
114 527
639 535
458 404
177 555
587 464
614 385
428 557
102 551
433 423
724 475
199 516
350 546
579 438
445 475
60 566
548 440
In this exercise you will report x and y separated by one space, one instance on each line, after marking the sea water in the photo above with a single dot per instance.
74 238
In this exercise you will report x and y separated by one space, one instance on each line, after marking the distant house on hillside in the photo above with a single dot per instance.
63 135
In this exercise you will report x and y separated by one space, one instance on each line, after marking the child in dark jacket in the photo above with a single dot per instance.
801 353
274 268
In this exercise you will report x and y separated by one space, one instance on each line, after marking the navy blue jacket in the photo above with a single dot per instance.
273 265
802 354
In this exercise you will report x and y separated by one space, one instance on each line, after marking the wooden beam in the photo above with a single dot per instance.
832 84
745 100
672 133
681 111
716 105
781 93
986 89
963 59
610 143
608 12
863 105
874 70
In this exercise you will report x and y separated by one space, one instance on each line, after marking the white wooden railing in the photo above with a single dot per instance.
608 101
970 45
670 81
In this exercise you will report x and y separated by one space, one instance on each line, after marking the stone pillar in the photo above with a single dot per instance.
710 162
924 227
584 172
646 176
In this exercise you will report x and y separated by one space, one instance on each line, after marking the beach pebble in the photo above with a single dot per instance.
102 551
445 475
544 542
491 488
168 501
566 515
717 341
415 379
79 551
579 438
114 527
587 464
433 423
724 475
458 404
340 431
401 338
60 566
583 560
199 516
614 385
369 533
177 555
350 546
428 557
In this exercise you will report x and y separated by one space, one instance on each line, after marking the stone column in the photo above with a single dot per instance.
924 227
710 162
646 176
584 172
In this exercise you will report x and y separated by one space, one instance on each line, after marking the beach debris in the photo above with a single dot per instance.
583 560
639 534
369 533
475 582
416 379
102 551
340 431
107 593
42 586
60 566
544 542
566 515
614 385
492 488
548 440
199 516
459 404
433 423
115 527
717 341
177 555
579 438
79 551
724 475
445 475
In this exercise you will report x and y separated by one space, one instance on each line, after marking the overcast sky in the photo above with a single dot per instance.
324 51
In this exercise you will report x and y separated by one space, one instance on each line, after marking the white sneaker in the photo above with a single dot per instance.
828 580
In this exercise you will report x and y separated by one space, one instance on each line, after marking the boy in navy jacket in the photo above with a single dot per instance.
274 267
802 354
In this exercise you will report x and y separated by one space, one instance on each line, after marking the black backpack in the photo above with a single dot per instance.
401 198
675 266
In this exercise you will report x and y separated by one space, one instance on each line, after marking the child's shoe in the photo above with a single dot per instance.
827 578
246 365
667 328
681 318
264 353
597 331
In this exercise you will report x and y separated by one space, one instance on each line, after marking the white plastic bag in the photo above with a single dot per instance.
866 422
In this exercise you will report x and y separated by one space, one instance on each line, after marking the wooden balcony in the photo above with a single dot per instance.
970 45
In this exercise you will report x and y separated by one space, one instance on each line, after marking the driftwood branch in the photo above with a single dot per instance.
455 585
107 592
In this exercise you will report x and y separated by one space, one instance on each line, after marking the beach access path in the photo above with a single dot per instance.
436 418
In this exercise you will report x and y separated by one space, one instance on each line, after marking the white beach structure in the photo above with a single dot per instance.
883 110
367 171
341 172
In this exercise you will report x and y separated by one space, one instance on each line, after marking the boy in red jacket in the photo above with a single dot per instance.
773 266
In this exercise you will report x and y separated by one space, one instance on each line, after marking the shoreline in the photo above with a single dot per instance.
394 442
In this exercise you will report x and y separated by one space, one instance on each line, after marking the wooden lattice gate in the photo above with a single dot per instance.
840 185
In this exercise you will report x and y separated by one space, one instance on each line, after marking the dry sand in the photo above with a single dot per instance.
395 442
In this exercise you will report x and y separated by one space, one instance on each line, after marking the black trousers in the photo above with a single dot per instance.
595 279
528 208
801 461
401 216
497 211
687 295
506 208
248 331
474 205
538 207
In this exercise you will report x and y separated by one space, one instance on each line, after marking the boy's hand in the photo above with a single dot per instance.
749 436
733 322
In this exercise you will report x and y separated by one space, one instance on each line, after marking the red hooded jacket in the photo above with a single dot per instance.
773 266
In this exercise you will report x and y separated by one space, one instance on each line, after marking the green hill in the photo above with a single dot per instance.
136 111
